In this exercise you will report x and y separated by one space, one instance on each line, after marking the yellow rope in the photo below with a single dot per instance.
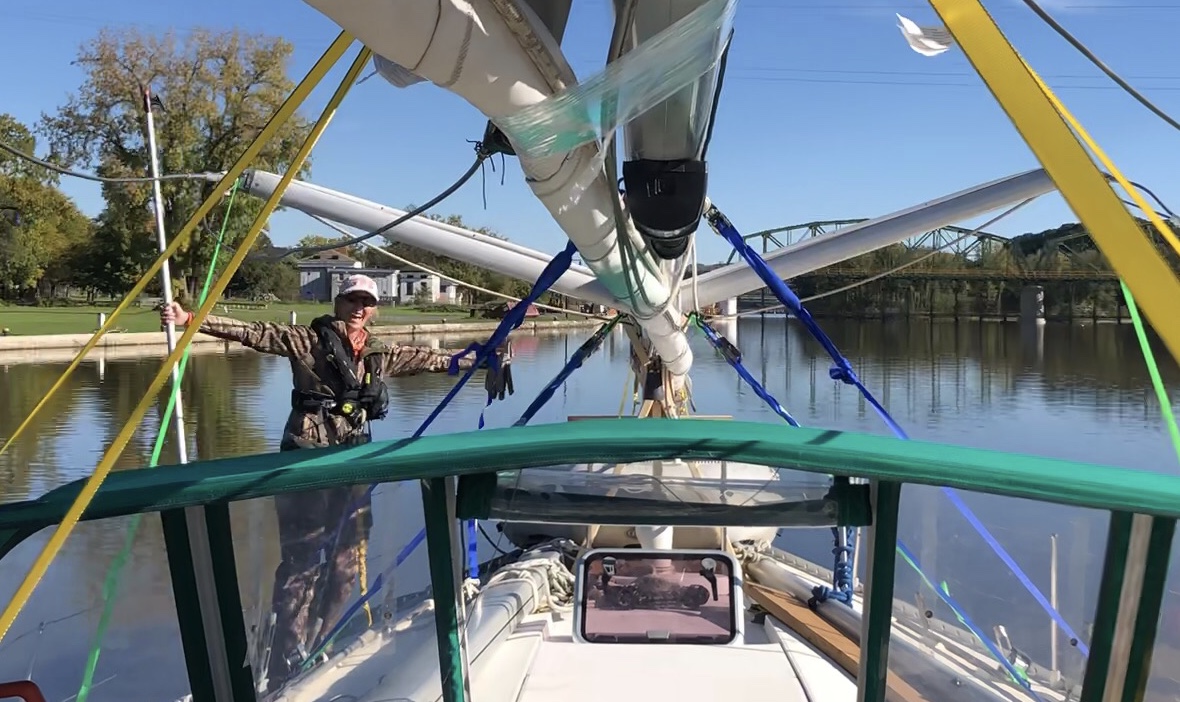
1037 118
90 489
362 557
284 113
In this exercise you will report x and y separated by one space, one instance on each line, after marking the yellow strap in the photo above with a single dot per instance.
281 117
90 489
362 559
1083 186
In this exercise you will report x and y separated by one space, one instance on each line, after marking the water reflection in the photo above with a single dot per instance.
1079 392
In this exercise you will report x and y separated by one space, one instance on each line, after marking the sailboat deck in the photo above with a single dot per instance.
757 669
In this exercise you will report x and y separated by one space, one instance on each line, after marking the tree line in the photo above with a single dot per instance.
1066 248
216 91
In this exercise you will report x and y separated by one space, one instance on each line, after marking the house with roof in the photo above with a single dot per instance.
321 275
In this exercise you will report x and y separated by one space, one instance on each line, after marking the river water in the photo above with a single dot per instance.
1075 392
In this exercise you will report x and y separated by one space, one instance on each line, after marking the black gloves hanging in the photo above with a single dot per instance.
498 382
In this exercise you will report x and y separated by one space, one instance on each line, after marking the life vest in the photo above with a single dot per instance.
368 392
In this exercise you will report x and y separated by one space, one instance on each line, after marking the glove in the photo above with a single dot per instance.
498 383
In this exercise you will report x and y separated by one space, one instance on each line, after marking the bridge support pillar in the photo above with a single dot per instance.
729 308
1032 305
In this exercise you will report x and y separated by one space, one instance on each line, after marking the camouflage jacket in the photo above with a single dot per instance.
312 371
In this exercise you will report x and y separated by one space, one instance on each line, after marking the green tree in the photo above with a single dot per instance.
39 226
317 240
278 278
18 135
422 296
217 91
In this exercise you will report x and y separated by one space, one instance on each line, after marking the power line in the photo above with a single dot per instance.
913 83
1085 51
934 74
100 179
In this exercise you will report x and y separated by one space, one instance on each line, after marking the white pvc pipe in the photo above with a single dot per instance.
722 284
849 242
461 244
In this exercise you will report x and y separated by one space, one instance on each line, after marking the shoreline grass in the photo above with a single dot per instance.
40 321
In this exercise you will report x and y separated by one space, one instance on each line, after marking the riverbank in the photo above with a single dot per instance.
152 343
17 320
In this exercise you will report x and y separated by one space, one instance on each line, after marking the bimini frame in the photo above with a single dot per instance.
1143 506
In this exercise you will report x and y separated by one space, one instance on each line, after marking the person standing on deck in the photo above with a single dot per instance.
338 370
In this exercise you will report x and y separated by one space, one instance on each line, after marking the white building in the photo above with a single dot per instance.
321 275
438 291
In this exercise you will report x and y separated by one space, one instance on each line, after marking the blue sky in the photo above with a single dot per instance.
826 113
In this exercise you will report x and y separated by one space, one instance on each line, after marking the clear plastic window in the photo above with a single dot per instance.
660 597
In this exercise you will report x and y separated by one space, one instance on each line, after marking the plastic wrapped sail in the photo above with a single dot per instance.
499 57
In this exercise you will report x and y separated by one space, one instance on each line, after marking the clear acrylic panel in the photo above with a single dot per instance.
994 596
55 639
337 596
335 589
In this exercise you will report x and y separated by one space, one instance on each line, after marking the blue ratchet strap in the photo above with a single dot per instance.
843 372
585 351
515 317
487 352
842 587
734 357
973 520
472 550
378 582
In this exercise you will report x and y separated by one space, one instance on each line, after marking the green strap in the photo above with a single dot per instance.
111 585
1157 382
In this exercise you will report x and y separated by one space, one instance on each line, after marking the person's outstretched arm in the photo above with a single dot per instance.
267 337
401 360
404 359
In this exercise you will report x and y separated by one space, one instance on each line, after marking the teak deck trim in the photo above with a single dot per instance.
823 636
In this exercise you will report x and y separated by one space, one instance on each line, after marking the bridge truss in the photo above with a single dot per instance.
943 239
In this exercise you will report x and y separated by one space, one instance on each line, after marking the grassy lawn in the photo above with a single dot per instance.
29 321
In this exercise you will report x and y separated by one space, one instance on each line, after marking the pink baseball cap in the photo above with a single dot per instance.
359 284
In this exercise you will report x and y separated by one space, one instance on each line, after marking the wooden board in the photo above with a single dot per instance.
818 632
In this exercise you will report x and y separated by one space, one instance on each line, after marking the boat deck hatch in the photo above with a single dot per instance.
656 597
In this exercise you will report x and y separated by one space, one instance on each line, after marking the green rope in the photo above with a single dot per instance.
111 585
946 591
1153 369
